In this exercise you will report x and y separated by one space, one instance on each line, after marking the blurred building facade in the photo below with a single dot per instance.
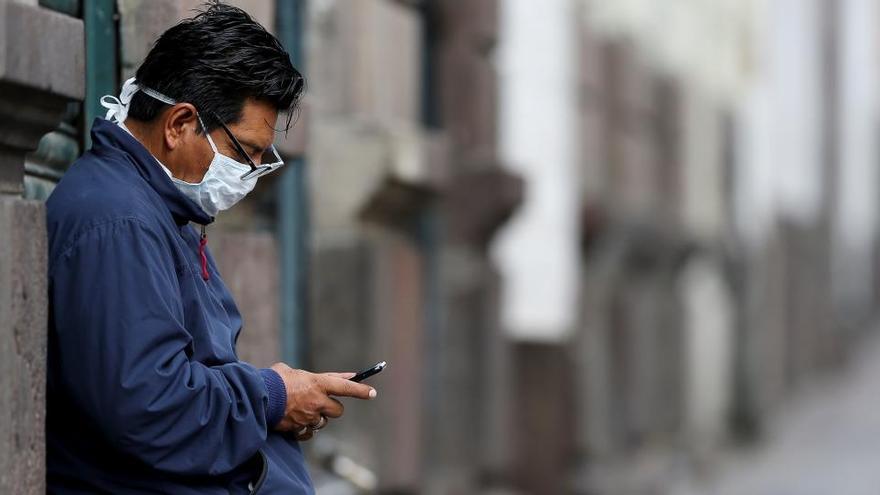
371 245
599 243
728 224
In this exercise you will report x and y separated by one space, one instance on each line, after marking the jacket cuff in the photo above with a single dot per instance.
277 396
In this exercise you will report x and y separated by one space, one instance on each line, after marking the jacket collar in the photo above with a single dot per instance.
106 134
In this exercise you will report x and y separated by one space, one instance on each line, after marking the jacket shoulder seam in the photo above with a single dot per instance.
72 243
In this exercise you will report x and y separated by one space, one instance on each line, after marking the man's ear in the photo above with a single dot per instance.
180 125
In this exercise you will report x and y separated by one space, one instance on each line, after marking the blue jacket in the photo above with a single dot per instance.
145 391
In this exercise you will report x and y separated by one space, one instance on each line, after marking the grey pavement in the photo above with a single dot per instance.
824 441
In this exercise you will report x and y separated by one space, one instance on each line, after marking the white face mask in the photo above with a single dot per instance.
223 184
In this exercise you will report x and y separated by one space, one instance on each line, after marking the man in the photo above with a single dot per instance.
145 391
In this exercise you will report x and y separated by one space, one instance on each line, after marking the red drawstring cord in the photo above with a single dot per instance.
202 243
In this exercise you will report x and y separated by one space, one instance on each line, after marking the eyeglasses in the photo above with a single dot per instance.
270 155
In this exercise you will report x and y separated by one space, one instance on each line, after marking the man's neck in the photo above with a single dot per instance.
151 140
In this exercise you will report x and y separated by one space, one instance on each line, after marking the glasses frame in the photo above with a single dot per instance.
256 171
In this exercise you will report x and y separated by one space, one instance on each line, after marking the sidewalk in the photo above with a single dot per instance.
826 441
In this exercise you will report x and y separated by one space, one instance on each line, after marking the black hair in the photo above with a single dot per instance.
216 60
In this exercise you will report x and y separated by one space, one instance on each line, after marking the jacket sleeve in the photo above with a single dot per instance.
124 358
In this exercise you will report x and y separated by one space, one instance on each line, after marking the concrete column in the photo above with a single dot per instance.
472 387
23 317
41 69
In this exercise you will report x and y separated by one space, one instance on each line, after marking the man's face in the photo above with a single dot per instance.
255 132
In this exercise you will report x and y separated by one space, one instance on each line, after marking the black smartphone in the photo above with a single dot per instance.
363 375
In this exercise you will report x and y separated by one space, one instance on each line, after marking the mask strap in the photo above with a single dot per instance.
157 95
205 130
117 108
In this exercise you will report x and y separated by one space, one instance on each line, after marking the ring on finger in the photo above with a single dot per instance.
321 423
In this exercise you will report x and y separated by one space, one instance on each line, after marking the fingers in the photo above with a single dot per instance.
346 388
333 408
306 434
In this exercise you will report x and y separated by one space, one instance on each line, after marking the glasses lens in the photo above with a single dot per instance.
269 161
267 158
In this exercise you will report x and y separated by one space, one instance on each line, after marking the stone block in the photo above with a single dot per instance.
399 338
341 312
479 202
631 154
365 59
353 161
41 70
342 335
11 171
248 263
470 22
544 418
762 347
367 306
592 118
468 92
349 162
468 371
143 21
42 49
591 358
23 324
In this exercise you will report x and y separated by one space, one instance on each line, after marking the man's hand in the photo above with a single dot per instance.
308 398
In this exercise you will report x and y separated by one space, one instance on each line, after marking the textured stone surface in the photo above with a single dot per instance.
544 418
468 376
41 49
248 262
400 318
141 23
465 78
353 161
479 202
11 171
39 74
23 322
367 306
364 59
343 335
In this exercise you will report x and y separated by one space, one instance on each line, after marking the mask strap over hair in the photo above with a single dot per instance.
157 95
117 108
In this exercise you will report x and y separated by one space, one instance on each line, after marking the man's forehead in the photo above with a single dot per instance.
256 126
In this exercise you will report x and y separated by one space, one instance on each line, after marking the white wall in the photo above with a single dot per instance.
537 252
855 223
781 168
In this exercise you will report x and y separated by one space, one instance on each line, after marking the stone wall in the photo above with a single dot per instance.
41 70
23 313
